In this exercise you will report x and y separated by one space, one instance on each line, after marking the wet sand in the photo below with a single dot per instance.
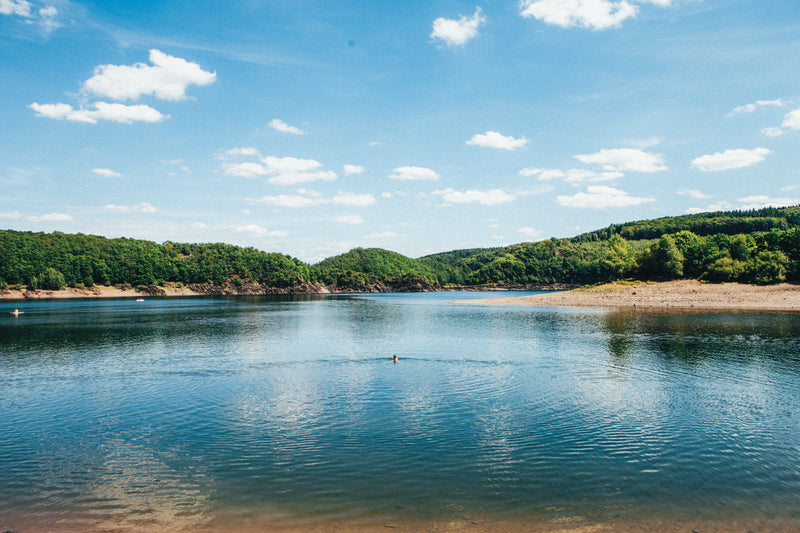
683 294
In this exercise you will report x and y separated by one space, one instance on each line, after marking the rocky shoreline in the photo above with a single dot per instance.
253 289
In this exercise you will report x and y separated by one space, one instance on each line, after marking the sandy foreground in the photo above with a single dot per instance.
683 294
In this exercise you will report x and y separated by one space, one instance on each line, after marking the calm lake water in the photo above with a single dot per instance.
177 414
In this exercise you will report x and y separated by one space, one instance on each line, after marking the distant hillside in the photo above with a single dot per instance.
376 263
724 222
758 246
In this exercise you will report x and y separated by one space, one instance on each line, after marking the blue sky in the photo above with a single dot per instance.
312 127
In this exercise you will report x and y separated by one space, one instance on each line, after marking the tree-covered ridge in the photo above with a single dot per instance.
359 266
89 259
768 252
724 222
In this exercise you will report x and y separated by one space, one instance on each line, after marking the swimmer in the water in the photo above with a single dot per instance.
394 358
15 312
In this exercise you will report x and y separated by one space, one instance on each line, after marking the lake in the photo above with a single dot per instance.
271 413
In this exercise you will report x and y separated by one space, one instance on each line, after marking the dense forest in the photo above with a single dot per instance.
757 246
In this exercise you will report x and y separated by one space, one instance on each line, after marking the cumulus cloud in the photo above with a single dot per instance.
167 79
730 159
592 14
457 32
15 7
258 232
749 108
758 201
574 175
279 125
529 233
106 173
124 114
414 173
282 170
624 160
310 198
791 122
349 170
45 17
488 197
348 219
601 197
493 139
11 215
143 207
52 217
692 193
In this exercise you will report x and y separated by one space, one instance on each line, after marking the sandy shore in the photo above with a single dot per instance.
682 294
93 292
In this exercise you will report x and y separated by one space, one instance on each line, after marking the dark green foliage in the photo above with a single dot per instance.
760 246
25 258
704 224
380 264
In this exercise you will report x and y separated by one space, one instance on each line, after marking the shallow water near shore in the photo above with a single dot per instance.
287 412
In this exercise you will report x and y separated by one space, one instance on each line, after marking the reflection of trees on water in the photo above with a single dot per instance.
692 338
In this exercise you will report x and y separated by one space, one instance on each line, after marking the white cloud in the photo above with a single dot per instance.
529 233
282 170
594 14
52 217
414 173
772 132
790 188
719 206
692 193
166 79
348 219
143 207
493 139
11 215
730 159
749 108
349 170
311 198
488 197
257 231
121 113
792 120
457 32
15 7
106 173
279 125
293 178
198 225
288 200
572 175
601 197
352 199
382 235
625 159
758 201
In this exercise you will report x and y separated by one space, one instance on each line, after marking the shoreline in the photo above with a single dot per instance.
682 294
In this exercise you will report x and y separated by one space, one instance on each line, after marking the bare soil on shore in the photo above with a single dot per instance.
683 294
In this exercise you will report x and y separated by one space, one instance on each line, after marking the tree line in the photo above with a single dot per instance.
668 248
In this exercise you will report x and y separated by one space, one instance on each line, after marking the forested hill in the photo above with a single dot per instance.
704 224
760 246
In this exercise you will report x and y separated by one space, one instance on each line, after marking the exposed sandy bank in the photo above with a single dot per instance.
93 292
671 294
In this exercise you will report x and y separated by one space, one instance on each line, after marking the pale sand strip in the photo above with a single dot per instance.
671 294
97 291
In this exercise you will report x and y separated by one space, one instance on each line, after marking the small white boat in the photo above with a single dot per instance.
139 299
